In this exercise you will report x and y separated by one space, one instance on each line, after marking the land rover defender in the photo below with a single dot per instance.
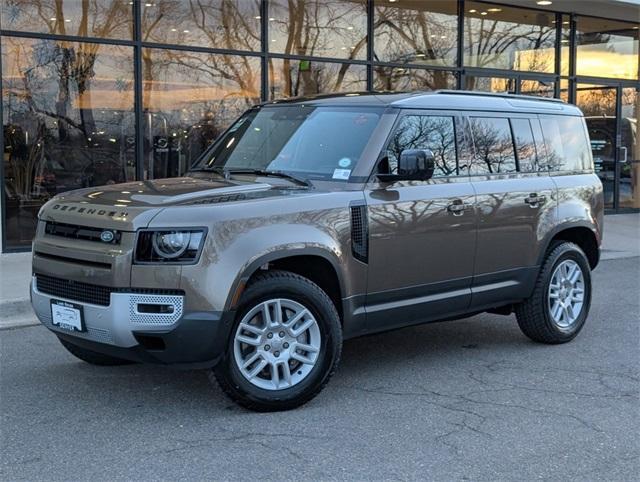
311 221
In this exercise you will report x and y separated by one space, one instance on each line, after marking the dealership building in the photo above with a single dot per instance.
106 91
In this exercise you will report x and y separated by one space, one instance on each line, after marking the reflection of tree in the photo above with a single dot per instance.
52 137
597 101
416 35
328 28
227 24
194 96
400 79
509 45
93 18
426 132
494 147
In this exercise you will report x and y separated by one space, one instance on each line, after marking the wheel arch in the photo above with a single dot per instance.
316 264
581 233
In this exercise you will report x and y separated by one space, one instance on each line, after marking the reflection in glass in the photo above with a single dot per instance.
86 18
525 145
606 48
401 79
630 162
540 88
320 28
293 78
409 31
223 24
189 98
566 145
509 38
565 40
598 104
494 145
490 84
435 133
68 123
307 141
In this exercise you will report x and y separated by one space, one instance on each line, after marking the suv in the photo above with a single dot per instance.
316 220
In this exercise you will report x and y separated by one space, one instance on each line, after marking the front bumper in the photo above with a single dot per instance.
123 330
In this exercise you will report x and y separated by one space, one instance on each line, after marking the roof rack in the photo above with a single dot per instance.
496 94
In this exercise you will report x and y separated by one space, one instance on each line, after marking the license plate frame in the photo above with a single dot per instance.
67 316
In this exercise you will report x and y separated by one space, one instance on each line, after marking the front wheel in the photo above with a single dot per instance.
284 345
559 305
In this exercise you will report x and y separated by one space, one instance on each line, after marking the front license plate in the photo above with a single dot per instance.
67 316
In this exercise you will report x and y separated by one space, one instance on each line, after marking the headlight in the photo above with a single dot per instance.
169 246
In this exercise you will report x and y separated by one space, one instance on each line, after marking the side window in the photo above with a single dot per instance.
566 142
525 145
494 145
435 133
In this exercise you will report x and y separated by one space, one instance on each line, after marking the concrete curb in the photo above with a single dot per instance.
17 313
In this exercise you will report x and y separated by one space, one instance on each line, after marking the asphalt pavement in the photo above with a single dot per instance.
465 400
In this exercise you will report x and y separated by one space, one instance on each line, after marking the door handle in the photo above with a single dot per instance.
623 159
534 201
457 207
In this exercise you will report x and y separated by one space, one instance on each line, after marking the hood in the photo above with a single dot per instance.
133 205
160 192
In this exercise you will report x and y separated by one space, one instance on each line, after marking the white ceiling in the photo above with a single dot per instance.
615 9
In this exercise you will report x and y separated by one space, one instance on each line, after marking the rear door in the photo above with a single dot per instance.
422 233
515 201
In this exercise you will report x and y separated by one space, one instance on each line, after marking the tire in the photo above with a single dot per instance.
278 379
540 317
92 357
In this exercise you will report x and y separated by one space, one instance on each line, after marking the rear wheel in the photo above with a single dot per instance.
559 305
284 346
92 357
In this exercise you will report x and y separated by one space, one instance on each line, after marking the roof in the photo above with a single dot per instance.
440 99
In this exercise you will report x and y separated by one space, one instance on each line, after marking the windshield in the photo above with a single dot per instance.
306 141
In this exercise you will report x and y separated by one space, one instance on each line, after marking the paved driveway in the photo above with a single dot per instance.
471 399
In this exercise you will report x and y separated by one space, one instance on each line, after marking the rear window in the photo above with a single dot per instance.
567 147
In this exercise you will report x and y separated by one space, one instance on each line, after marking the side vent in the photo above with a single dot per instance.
360 233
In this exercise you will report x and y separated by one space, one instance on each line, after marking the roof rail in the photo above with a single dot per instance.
497 94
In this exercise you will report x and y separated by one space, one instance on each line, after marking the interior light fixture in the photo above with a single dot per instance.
483 13
473 10
544 2
493 10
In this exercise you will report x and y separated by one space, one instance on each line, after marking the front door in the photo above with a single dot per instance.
421 233
611 113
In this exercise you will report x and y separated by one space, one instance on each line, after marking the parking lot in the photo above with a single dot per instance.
465 400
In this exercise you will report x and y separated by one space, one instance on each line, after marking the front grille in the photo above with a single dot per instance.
88 293
80 232
74 290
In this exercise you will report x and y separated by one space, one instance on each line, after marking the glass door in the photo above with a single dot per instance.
599 105
629 189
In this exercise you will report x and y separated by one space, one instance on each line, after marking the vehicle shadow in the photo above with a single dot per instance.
365 360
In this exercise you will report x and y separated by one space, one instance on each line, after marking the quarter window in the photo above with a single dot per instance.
525 145
435 133
494 146
566 142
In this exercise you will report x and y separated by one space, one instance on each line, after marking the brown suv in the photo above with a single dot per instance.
316 220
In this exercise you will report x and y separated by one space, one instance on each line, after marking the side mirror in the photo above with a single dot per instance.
413 165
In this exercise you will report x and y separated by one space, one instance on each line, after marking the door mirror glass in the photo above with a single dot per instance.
416 164
413 165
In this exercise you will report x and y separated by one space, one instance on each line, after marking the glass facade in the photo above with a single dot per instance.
104 91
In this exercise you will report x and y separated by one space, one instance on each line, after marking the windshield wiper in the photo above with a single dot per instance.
262 172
